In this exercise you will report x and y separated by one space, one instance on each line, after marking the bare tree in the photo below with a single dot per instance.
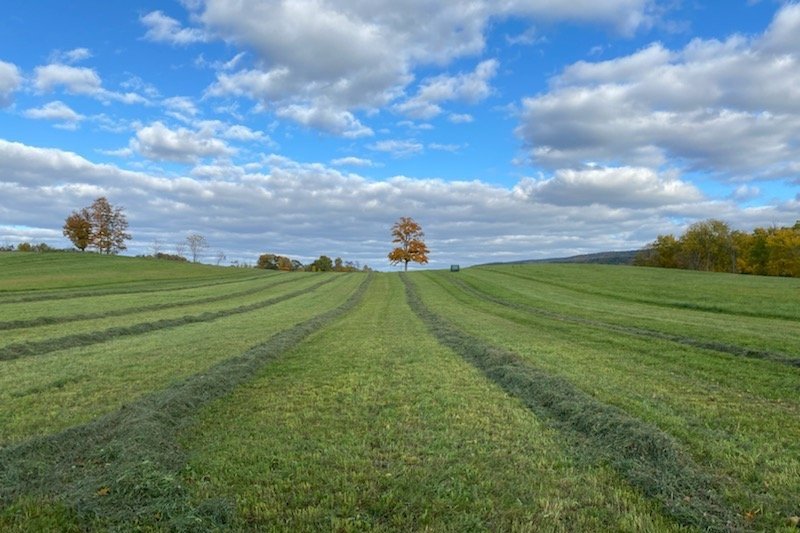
197 243
180 248
220 257
156 246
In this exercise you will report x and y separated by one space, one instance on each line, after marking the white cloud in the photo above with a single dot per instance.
625 187
328 119
181 105
159 142
79 80
728 107
460 118
398 148
10 81
238 132
471 88
352 161
76 55
304 210
445 147
329 57
162 28
57 111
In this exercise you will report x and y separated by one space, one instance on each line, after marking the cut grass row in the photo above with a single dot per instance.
51 392
778 335
30 316
373 425
120 472
482 291
738 418
44 339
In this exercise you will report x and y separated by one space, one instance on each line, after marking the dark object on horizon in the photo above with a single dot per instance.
455 268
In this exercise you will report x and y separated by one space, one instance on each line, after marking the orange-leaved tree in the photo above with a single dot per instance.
410 238
78 228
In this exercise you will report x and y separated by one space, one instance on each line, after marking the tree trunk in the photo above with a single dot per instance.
406 266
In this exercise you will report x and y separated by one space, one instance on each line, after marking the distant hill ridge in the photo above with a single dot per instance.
600 258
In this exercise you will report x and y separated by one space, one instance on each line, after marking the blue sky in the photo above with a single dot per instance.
509 129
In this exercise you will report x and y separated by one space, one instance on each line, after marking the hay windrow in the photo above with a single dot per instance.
716 346
122 471
645 456
34 348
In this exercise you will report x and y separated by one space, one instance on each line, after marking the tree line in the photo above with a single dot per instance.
103 227
322 264
711 245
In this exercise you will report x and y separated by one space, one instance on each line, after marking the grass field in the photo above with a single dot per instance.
149 395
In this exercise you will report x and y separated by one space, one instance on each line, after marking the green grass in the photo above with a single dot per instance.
151 395
371 424
738 418
73 272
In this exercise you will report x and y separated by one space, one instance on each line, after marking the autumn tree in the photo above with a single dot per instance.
100 226
196 243
267 262
410 238
78 229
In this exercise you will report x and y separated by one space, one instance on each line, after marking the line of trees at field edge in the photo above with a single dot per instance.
710 245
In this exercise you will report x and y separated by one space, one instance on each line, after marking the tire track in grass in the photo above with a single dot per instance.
78 293
52 320
33 348
730 349
645 456
121 471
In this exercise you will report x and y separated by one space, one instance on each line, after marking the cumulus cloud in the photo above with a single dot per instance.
325 118
330 57
162 28
730 107
182 145
472 88
79 80
57 111
624 187
10 81
303 210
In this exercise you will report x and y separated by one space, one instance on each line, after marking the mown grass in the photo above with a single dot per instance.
37 313
765 296
541 398
372 425
119 472
51 392
773 339
65 272
38 340
738 418
735 326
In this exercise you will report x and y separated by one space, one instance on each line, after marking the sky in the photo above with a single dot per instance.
509 129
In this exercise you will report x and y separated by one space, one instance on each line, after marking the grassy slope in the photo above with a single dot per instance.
737 416
371 422
74 271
